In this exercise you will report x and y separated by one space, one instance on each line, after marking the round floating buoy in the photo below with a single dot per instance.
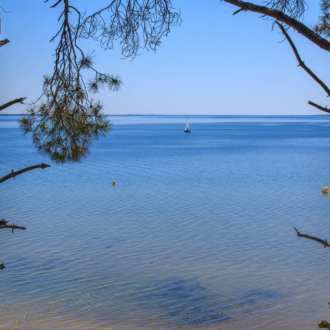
113 182
325 190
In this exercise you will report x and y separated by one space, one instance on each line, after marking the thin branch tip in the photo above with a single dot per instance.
313 238
14 174
237 11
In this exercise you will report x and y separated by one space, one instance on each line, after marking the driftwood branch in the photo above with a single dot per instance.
13 174
12 227
324 242
286 19
4 42
319 107
302 63
3 225
2 107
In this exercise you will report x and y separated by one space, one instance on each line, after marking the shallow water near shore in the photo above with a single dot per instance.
196 233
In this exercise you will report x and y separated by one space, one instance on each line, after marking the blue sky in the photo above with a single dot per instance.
214 63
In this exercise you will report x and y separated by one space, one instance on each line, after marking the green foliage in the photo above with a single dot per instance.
323 26
324 325
64 126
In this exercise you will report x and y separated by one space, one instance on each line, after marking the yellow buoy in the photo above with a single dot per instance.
114 183
325 190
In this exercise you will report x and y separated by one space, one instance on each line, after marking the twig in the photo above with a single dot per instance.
237 11
2 107
286 19
319 107
3 225
13 174
12 227
4 42
302 63
324 242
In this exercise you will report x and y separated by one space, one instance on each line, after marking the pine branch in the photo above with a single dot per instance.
324 242
4 42
2 107
302 63
319 107
286 19
13 174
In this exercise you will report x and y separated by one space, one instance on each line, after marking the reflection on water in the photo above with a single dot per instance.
197 233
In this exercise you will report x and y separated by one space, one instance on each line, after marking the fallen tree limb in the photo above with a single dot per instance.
3 225
13 174
286 19
12 227
20 100
324 242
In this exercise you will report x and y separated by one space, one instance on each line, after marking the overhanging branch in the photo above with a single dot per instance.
324 242
302 63
286 19
13 174
4 42
2 107
325 109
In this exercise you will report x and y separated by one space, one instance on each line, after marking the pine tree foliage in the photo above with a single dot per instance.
323 26
293 8
64 125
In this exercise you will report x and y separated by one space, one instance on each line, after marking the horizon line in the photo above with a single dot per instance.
180 115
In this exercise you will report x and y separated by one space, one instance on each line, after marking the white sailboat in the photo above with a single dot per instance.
186 129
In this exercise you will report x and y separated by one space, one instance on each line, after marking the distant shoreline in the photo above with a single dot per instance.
138 115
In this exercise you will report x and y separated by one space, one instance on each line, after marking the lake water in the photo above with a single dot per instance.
197 233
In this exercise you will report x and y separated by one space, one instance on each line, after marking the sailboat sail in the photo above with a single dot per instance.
187 126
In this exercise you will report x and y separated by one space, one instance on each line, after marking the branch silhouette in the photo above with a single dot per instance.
20 100
279 15
316 239
14 174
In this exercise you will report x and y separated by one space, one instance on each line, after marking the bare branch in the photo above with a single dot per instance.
56 4
324 242
4 42
2 107
302 63
238 11
3 225
13 174
12 227
286 19
325 109
7 12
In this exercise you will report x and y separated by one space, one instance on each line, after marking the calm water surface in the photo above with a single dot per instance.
196 234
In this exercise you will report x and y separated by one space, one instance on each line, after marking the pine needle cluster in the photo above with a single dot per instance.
65 124
323 26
